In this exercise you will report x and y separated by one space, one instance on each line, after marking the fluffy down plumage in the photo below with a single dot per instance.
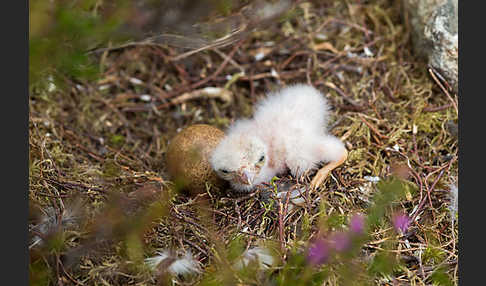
288 131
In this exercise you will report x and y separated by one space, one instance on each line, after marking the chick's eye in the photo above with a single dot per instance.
224 171
261 158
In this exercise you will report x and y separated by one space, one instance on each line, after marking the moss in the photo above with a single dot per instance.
356 154
433 255
117 140
111 169
336 221
428 121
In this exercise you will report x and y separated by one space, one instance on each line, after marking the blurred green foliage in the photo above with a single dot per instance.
39 273
389 191
433 255
62 32
345 266
440 277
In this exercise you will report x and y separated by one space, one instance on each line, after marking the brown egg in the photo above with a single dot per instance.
188 158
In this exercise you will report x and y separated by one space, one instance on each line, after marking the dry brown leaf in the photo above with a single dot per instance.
325 46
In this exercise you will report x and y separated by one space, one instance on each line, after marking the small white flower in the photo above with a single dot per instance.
274 73
259 56
372 179
368 52
396 147
103 87
135 81
51 86
321 36
145 97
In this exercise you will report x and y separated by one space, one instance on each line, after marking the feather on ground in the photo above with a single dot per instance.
288 131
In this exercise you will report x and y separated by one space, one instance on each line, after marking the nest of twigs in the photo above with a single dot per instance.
102 144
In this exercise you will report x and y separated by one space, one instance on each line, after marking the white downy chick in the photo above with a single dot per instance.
288 131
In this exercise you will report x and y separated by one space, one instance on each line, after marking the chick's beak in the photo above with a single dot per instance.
246 177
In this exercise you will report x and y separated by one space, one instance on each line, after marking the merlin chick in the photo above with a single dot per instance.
288 131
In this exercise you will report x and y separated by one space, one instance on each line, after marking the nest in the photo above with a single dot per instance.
103 142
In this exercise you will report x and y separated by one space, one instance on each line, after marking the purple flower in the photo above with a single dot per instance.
318 252
356 224
401 222
340 241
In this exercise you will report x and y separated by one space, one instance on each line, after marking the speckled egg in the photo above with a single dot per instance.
188 158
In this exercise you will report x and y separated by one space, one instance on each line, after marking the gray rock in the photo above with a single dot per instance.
434 25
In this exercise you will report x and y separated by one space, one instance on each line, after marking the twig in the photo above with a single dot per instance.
197 84
386 90
437 108
237 209
308 71
221 67
289 59
233 62
222 42
424 199
72 185
432 72
373 128
347 98
281 225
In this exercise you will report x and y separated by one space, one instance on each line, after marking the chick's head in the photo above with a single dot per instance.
239 160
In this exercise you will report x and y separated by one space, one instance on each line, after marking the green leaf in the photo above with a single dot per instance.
382 263
440 277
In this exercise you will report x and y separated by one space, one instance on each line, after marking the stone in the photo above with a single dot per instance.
434 26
